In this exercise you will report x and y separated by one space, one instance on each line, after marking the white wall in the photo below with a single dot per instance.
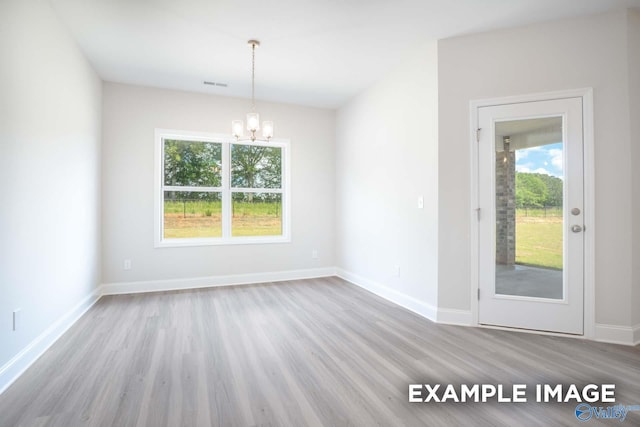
386 157
131 113
568 54
634 113
50 107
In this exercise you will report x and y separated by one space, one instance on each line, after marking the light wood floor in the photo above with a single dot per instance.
313 352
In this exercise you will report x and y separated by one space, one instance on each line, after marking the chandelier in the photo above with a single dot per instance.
253 118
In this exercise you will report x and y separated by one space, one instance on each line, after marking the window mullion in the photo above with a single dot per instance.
191 189
226 193
256 190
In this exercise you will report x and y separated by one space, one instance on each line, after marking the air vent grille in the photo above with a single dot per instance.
216 84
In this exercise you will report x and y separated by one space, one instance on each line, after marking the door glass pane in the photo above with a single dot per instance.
529 214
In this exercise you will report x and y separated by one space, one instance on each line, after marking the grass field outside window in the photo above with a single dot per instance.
539 237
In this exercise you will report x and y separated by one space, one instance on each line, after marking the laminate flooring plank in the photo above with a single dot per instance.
287 390
134 373
223 406
267 410
274 332
331 396
147 405
282 397
238 384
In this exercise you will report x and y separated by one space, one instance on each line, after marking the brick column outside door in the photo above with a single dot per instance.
506 208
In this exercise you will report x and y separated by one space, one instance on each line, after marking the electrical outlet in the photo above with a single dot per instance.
314 254
127 264
420 202
396 270
16 318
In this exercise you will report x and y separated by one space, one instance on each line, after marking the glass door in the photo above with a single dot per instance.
530 192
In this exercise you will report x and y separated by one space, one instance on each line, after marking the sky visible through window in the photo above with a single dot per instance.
546 159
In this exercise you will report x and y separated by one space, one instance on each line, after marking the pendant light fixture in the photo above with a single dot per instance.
506 143
253 118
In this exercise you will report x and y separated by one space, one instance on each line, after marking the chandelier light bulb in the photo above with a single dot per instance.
267 130
253 122
237 128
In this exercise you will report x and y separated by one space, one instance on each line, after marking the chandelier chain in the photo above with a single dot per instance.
253 77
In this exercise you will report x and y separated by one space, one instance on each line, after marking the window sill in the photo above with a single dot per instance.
260 240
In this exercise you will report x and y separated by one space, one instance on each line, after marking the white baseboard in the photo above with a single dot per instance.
213 281
615 334
23 360
455 317
403 300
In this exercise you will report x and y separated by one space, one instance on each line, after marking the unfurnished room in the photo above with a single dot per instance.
319 213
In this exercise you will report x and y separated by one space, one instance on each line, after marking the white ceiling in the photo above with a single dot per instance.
314 52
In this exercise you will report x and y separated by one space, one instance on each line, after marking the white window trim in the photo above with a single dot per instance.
225 189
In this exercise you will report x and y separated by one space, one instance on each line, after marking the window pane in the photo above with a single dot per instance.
192 163
191 214
256 214
255 166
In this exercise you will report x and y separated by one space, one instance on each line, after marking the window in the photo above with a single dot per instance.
212 190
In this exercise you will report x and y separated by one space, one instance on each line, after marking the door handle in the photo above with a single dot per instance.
576 228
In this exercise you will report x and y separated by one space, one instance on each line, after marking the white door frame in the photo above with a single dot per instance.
589 192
